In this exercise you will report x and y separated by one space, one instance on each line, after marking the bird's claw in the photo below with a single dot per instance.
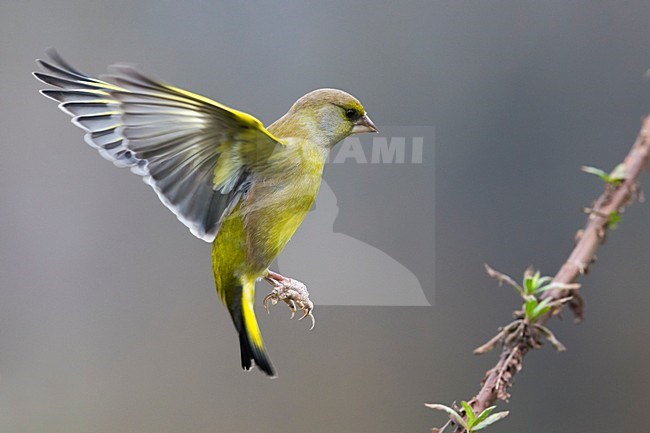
308 312
292 307
269 298
293 293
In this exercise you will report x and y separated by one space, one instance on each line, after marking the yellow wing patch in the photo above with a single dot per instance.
244 118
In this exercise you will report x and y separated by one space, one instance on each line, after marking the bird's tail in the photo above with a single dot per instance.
251 344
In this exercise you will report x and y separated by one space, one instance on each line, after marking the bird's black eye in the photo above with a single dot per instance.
351 114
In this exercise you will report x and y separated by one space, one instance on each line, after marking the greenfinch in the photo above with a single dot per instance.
230 180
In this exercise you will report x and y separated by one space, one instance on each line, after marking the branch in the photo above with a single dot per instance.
618 194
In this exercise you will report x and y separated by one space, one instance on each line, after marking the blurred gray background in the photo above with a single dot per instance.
108 316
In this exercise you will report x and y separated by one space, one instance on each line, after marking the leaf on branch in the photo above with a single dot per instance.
560 286
491 420
551 338
613 220
616 177
469 413
561 301
529 307
618 174
484 415
452 413
503 278
540 309
596 172
530 273
487 347
505 334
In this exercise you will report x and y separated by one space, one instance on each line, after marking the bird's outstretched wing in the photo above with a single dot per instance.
197 154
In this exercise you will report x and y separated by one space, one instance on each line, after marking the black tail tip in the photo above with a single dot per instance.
253 356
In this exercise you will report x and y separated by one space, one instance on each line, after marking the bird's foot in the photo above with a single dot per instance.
292 292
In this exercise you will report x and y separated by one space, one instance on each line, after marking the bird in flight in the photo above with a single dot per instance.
233 182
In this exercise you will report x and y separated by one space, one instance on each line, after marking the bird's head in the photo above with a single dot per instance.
327 116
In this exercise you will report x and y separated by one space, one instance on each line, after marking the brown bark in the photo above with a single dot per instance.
614 199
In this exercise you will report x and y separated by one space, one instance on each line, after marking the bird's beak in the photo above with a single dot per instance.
364 124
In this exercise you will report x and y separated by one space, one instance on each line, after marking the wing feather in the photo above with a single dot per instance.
190 149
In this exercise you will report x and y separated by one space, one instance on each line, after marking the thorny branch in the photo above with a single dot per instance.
612 201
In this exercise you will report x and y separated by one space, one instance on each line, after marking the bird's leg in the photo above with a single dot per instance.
292 292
